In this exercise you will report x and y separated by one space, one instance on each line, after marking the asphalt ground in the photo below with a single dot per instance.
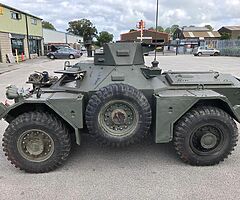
143 171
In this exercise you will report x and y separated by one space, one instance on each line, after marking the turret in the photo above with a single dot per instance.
122 54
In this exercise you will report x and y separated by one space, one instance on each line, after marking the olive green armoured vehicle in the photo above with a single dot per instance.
121 101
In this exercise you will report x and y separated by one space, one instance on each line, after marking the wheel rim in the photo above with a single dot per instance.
118 118
71 56
35 145
52 57
207 140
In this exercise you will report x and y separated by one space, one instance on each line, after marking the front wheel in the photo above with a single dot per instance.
205 136
52 57
36 142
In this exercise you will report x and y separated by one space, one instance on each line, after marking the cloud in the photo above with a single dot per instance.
117 16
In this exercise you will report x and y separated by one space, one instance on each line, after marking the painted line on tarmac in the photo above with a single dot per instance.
7 71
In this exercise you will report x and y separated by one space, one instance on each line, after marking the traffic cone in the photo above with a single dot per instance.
22 56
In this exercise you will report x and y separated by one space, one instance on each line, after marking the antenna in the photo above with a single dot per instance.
155 62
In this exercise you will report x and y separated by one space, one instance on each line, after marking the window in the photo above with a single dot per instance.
33 46
17 44
34 21
16 16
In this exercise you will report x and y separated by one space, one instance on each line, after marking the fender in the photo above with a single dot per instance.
171 105
67 106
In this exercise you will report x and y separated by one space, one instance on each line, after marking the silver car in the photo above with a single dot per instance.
64 53
199 51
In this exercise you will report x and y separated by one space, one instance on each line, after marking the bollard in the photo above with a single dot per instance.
16 51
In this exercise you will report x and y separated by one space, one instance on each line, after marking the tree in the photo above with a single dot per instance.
83 28
174 28
225 36
171 29
159 28
104 37
209 27
131 30
168 30
48 25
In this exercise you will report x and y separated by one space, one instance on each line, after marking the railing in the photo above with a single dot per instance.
229 47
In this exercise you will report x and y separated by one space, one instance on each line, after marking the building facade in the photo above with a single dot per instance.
52 37
191 37
149 37
19 32
233 31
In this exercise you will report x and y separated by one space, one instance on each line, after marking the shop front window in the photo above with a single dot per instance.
17 44
33 46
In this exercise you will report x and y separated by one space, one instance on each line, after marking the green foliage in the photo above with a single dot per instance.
48 25
171 29
174 28
83 28
159 28
225 36
168 30
104 37
131 30
209 27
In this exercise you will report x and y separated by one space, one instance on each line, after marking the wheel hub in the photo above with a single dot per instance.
118 118
35 145
208 141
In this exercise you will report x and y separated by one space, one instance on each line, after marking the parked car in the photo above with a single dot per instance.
199 51
64 53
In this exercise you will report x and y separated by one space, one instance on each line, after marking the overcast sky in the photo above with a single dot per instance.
118 16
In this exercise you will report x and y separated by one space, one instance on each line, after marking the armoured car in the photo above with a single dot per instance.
120 101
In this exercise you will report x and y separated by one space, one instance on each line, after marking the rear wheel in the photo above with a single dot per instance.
71 56
205 136
118 115
36 142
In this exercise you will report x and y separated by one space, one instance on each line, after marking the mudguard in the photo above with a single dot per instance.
171 105
67 106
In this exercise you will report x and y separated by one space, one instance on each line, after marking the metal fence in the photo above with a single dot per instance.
229 47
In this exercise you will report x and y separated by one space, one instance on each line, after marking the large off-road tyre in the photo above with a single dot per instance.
118 115
36 142
205 136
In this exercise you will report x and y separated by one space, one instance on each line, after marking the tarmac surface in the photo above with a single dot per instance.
143 171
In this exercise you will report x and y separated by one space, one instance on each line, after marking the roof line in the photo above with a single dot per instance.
144 30
62 32
11 8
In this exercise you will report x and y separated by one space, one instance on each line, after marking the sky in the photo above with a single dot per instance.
119 16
